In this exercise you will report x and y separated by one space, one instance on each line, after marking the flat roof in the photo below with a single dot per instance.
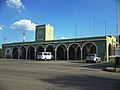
96 38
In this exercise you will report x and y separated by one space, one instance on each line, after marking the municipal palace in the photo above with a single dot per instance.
63 49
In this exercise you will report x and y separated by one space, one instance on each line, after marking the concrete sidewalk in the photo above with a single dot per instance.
112 69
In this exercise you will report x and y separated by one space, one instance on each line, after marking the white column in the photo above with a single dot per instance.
35 55
5 54
81 54
75 54
67 54
55 54
64 54
11 54
26 54
18 53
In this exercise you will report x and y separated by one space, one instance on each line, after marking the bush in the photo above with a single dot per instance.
112 60
0 52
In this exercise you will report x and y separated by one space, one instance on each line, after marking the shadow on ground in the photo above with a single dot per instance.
101 66
1 87
84 82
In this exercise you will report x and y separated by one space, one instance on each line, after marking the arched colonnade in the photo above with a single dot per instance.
73 51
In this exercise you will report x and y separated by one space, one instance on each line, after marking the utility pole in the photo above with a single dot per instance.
117 29
76 25
94 15
105 27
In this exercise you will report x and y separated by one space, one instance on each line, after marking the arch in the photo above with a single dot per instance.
31 52
89 47
15 52
22 52
84 52
110 49
61 52
51 48
92 49
8 52
74 50
39 48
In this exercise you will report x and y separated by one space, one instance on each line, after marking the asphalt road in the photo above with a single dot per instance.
56 75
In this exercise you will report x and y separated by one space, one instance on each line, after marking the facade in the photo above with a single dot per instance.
66 49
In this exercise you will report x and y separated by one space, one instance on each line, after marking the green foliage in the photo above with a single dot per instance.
112 60
0 52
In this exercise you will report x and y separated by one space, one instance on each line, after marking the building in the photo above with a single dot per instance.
66 49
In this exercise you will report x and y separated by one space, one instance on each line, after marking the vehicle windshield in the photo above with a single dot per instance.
45 53
91 55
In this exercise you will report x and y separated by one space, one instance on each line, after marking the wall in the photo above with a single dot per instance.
110 40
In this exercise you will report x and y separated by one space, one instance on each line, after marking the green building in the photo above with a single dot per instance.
66 49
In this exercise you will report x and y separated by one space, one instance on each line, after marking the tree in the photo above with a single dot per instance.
0 52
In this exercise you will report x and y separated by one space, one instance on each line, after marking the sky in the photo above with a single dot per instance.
66 16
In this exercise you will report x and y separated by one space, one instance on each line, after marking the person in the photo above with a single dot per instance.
103 57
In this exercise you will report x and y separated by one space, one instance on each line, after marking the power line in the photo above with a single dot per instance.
105 27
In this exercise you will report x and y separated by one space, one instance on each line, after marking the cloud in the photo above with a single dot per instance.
1 27
15 4
23 25
63 38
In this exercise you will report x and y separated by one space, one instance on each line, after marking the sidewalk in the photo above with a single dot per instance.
112 69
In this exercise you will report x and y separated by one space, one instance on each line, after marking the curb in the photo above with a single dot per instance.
112 69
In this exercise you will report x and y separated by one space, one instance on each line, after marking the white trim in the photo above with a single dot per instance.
29 47
57 48
60 45
37 49
17 50
46 42
20 50
50 45
74 43
78 45
90 45
39 46
14 47
5 55
22 46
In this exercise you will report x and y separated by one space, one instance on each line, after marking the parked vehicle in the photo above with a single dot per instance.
44 55
92 58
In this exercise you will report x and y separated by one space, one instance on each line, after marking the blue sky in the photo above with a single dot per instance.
17 16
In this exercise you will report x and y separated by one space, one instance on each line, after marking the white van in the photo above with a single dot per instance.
44 55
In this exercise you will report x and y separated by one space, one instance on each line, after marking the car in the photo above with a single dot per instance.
44 56
92 58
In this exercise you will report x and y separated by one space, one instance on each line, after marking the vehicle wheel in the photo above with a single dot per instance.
45 59
96 61
99 61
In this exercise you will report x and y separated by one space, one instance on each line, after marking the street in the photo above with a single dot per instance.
56 75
